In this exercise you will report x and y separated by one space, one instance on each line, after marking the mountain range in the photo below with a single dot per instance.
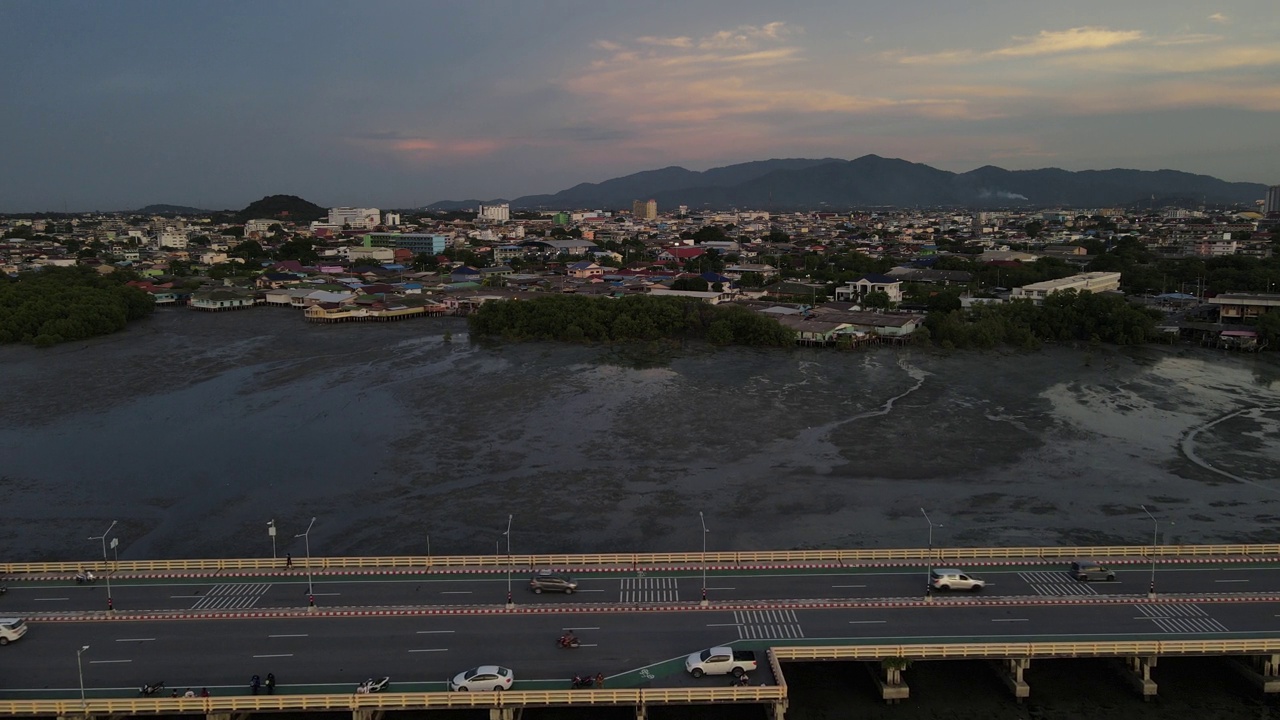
873 181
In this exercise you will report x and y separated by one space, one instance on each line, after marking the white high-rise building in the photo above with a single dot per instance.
496 213
357 218
391 219
1272 205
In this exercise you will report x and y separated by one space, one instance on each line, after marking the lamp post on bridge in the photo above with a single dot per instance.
510 602
1155 541
703 520
928 587
84 704
103 538
271 530
311 590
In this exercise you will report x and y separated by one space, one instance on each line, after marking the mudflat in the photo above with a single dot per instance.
194 430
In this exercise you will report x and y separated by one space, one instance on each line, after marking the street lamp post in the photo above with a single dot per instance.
703 520
928 588
103 538
271 530
84 705
1155 540
428 550
311 590
510 604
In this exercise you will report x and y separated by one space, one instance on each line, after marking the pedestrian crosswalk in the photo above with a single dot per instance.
648 589
1180 618
1055 583
767 624
232 596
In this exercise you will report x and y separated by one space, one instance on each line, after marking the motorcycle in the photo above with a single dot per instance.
152 689
85 576
583 681
255 683
740 681
372 686
568 641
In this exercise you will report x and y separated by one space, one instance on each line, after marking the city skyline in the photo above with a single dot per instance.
121 104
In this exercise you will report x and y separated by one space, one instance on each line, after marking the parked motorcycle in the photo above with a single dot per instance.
373 685
740 681
583 681
85 576
568 640
152 689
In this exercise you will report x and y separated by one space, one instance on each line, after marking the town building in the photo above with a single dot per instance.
857 290
1272 204
418 243
495 213
355 218
644 209
1095 282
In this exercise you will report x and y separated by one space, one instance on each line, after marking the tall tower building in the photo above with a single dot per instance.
1272 205
644 209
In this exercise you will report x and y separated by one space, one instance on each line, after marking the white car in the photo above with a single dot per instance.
485 678
944 579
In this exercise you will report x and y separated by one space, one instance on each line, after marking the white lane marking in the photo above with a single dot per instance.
848 586
455 592
588 645
711 588
866 622
108 662
433 632
432 650
737 624
582 591
135 639
1231 581
284 636
1157 617
582 628
50 599
1010 619
172 597
271 656
325 594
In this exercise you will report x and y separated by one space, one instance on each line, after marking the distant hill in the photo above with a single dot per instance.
282 207
873 181
169 210
449 205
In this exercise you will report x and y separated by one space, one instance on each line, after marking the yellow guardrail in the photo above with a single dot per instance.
942 651
585 561
396 701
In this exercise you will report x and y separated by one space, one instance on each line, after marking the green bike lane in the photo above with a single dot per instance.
295 589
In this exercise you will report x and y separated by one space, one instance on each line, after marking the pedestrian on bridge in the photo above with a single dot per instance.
288 561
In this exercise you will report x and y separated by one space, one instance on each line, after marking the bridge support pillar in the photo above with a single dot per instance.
1260 670
892 686
362 714
502 713
642 712
1138 671
1010 671
779 710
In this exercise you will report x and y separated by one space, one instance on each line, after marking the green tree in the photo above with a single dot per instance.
878 299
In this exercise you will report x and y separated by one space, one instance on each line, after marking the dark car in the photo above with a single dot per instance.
1086 570
547 581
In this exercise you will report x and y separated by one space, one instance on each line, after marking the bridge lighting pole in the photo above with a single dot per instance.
928 589
103 538
1155 539
311 590
703 520
84 705
271 530
510 603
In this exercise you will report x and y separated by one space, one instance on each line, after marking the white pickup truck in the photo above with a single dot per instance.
720 661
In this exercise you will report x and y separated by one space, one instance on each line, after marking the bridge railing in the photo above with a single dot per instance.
943 651
637 560
397 701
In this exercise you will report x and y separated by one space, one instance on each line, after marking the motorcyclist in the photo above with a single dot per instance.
568 639
271 683
255 682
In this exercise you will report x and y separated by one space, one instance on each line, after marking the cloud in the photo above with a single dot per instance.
424 148
1219 18
1166 60
679 42
1050 42
1047 42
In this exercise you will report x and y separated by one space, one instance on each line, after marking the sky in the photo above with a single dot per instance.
113 104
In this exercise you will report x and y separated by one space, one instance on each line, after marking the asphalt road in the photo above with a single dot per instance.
291 590
329 654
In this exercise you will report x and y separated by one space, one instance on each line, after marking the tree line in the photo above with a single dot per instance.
54 305
1066 316
581 319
